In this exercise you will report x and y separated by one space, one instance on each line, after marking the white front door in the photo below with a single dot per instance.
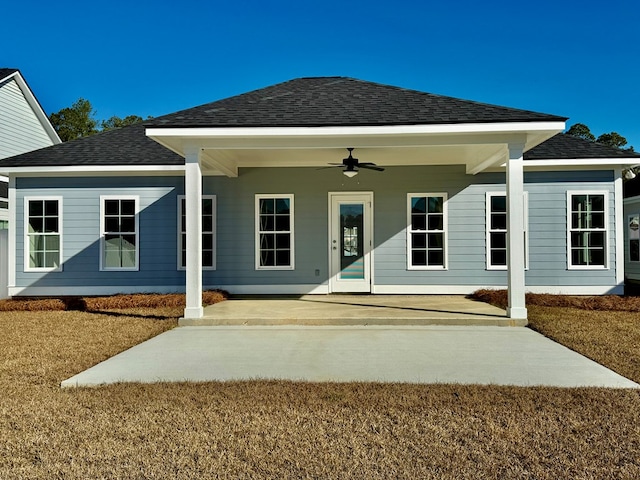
350 242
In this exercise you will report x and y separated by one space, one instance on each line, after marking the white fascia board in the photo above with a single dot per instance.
437 129
88 170
585 162
37 108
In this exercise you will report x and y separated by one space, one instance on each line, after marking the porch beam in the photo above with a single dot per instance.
515 233
193 207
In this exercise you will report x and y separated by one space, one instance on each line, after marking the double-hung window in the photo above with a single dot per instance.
496 230
119 233
43 234
587 232
427 231
208 232
274 232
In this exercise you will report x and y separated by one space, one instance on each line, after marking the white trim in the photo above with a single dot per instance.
487 206
89 170
468 289
271 289
213 199
451 128
607 249
136 199
619 225
582 162
445 231
258 197
27 243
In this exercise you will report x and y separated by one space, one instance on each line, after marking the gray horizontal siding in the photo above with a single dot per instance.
236 225
20 129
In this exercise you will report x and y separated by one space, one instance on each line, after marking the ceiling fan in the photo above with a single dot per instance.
352 165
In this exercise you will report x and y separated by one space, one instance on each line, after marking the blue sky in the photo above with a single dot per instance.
579 59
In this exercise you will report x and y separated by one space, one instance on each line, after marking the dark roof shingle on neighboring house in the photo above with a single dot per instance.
566 147
123 146
5 72
341 101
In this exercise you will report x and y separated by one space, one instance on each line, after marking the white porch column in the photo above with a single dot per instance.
515 233
193 207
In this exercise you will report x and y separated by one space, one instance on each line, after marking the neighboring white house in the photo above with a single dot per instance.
24 127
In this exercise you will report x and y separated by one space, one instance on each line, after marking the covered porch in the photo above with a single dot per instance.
479 147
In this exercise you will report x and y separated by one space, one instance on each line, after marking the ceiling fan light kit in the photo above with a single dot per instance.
352 165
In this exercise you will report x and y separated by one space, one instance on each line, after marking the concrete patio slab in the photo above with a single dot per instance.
415 354
353 310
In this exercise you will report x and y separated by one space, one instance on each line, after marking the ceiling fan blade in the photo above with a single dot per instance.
333 165
371 166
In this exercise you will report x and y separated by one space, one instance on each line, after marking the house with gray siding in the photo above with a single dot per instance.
322 185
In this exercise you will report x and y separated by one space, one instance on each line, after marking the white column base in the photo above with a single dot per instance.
517 313
193 312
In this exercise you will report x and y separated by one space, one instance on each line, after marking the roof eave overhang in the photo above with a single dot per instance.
528 133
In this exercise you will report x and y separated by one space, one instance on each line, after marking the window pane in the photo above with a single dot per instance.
498 240
418 222
111 207
267 205
419 240
597 257
36 259
419 257
498 204
207 224
51 208
418 205
435 240
578 256
207 241
597 220
128 207
267 241
436 204
499 221
267 258
498 257
111 224
282 206
596 239
51 259
579 239
436 257
129 242
435 222
52 243
578 203
207 258
36 208
283 240
282 223
266 223
597 202
283 258
207 206
36 225
128 224
51 225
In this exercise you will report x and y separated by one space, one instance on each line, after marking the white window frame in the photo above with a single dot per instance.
27 243
291 231
629 234
605 194
489 230
444 231
136 199
212 232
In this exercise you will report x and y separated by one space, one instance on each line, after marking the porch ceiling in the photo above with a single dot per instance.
478 146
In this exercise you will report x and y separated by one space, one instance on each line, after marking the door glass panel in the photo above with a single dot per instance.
351 241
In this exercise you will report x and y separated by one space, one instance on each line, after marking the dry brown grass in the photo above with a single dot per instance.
284 429
112 302
598 302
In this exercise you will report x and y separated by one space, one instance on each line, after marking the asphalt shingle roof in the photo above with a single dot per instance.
124 146
341 101
564 147
316 101
5 72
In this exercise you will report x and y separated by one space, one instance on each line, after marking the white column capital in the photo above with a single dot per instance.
192 152
516 150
